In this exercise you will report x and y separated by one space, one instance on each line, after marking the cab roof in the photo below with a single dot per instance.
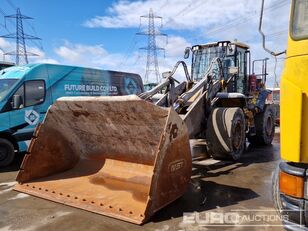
214 44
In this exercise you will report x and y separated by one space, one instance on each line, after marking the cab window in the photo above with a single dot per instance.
34 92
30 93
299 22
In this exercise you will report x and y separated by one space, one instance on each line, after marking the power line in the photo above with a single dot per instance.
20 53
164 5
271 35
4 14
11 4
196 7
152 48
5 27
37 43
137 59
278 33
130 48
242 20
183 10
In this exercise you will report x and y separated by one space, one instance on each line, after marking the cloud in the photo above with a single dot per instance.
94 56
80 53
97 56
197 15
187 23
9 46
176 45
177 14
122 15
202 21
6 45
44 60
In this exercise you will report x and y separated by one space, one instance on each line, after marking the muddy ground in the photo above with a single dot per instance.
220 194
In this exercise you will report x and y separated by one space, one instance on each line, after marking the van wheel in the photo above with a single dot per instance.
225 133
7 152
265 127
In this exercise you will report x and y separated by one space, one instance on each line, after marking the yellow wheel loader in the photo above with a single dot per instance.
127 157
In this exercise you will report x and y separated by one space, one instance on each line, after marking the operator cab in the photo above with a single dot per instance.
232 54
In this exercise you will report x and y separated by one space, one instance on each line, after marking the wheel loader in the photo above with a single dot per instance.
129 156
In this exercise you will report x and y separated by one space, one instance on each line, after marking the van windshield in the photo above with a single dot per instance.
5 86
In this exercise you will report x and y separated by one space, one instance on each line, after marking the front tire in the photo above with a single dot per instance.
7 152
265 127
225 133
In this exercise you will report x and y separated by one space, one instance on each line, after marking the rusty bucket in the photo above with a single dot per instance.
117 156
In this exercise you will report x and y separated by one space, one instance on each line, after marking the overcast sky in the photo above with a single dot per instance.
102 34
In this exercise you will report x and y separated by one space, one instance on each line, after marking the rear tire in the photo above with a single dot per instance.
265 127
7 152
225 133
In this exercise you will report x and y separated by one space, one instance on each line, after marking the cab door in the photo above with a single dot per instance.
31 109
240 83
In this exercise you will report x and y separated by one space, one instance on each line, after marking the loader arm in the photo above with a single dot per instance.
196 114
147 95
174 92
193 105
204 84
191 102
169 87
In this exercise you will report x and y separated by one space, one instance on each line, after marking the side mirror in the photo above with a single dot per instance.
166 74
233 70
17 101
187 52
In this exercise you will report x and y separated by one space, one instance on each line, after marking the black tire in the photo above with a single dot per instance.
225 134
7 152
265 127
275 191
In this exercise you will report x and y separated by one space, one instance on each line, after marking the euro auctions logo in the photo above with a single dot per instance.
234 218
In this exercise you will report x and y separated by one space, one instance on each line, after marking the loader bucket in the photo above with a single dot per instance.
117 156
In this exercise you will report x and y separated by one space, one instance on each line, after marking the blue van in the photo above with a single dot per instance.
26 92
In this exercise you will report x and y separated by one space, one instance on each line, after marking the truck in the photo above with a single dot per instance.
129 156
290 179
26 92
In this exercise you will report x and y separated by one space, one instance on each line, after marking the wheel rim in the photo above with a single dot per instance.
3 153
237 140
269 126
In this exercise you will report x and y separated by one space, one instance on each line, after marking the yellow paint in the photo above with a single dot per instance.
294 103
290 118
